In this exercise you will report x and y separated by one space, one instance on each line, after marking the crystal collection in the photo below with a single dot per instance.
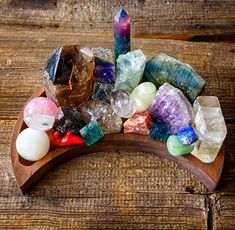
89 96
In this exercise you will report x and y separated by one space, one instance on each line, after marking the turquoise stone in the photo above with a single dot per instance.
160 131
176 148
129 70
164 68
102 92
91 133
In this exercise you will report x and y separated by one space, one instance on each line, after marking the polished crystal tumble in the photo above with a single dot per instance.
102 92
144 95
187 135
140 123
71 120
68 76
210 126
91 133
103 114
129 70
176 148
104 71
170 106
123 104
160 131
164 68
40 113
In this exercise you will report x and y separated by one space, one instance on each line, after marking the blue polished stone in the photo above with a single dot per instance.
187 135
91 133
160 131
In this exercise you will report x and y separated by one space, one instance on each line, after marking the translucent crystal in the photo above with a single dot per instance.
103 114
103 53
123 104
129 70
68 75
102 92
210 126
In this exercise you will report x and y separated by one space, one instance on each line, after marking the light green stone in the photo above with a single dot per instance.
176 148
144 95
129 70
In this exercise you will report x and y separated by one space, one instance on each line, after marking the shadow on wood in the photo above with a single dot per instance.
28 173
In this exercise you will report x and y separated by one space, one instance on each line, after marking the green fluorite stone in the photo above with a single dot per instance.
165 69
176 148
129 70
91 133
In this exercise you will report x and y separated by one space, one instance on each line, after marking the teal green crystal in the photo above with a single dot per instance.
129 70
165 69
176 148
91 133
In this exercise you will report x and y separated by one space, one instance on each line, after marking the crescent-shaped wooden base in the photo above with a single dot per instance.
28 173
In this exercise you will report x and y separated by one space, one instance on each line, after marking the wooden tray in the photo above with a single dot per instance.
28 173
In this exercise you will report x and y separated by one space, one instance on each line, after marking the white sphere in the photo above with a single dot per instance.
32 145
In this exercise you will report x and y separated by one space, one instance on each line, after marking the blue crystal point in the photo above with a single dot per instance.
187 135
121 16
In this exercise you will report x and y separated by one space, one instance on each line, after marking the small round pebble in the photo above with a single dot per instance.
32 145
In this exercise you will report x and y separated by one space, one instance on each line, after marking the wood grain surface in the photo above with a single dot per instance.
116 189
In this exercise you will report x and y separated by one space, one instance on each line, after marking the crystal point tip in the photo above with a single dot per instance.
122 15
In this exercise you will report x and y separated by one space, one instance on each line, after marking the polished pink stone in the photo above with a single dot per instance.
41 105
40 113
140 123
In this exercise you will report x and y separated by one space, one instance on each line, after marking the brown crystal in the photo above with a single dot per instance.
68 76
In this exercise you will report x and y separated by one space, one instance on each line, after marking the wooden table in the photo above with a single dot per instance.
116 190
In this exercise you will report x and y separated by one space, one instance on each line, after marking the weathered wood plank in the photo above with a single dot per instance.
114 210
149 17
24 51
223 212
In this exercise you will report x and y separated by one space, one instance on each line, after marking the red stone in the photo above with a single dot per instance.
140 123
68 139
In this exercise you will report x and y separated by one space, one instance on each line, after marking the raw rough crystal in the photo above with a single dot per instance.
164 68
103 114
176 148
123 104
102 91
103 53
210 126
71 120
40 113
159 131
187 135
104 71
140 123
91 133
129 70
144 95
170 106
68 76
